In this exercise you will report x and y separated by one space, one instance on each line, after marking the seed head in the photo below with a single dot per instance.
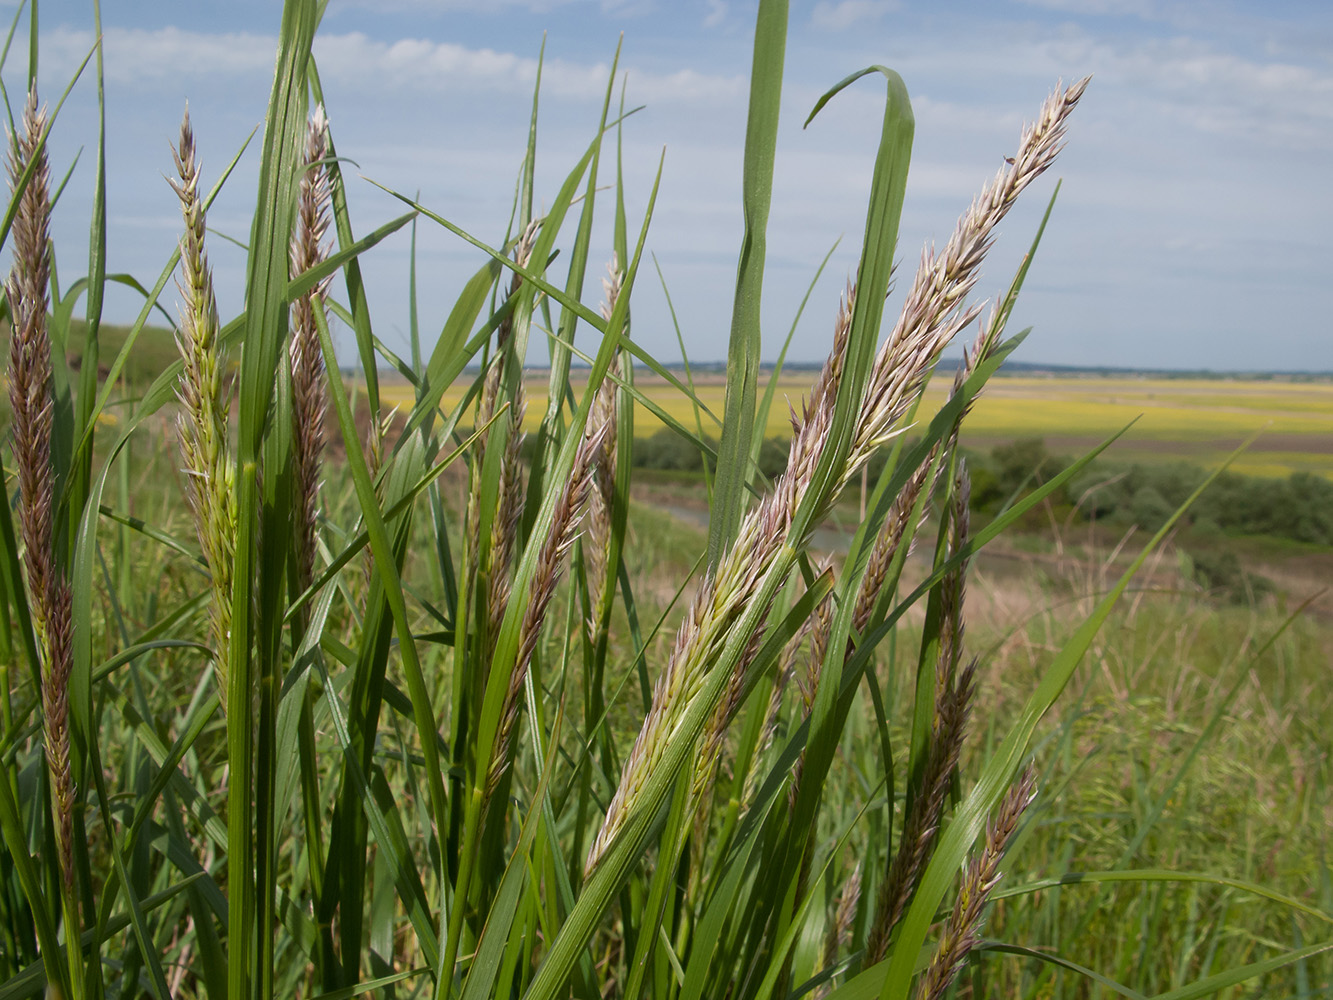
202 424
963 928
31 405
309 391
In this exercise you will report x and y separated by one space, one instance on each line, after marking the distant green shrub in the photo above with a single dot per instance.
1298 508
1149 508
668 450
1221 573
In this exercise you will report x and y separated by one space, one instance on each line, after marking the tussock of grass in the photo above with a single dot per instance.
495 727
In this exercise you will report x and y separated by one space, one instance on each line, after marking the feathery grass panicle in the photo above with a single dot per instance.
896 525
953 587
59 653
935 308
724 593
31 406
569 511
508 515
309 392
509 509
600 502
30 355
962 931
202 424
922 824
807 683
888 541
509 512
821 624
933 313
709 758
953 695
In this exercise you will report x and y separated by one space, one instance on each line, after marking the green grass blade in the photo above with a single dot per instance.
1213 985
355 284
548 433
1163 875
771 390
85 400
888 188
499 920
1059 961
413 321
370 985
32 980
382 548
342 257
406 879
266 326
16 846
157 980
970 817
730 494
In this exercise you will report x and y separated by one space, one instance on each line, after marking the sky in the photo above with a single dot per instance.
1193 229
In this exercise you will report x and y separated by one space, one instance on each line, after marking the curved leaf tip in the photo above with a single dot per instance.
897 91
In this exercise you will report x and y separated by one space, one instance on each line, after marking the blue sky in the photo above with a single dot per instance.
1193 227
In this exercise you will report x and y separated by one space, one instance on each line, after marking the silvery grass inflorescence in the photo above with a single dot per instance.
31 405
932 314
923 479
724 595
309 248
509 509
600 500
202 424
953 691
934 310
818 626
569 511
963 928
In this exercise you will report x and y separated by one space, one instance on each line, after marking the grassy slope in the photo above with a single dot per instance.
153 351
1251 800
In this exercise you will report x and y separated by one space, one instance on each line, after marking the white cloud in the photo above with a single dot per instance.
134 54
420 64
840 15
1286 104
416 64
717 13
1137 8
1192 83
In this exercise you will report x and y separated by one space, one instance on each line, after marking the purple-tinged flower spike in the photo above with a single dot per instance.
962 931
309 248
31 406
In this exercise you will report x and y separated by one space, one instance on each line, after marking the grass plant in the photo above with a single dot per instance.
417 716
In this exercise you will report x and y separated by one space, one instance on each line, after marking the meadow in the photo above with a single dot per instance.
1200 420
338 686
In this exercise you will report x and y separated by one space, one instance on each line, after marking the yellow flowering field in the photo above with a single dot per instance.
1197 419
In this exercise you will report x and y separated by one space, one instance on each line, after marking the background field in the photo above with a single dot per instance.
1199 420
